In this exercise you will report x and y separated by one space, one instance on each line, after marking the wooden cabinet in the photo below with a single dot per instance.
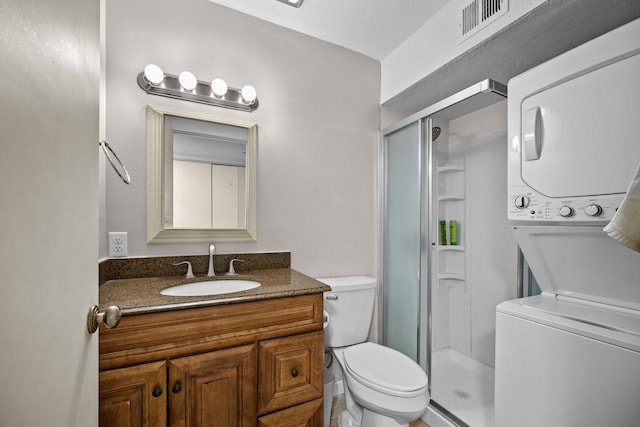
133 396
291 371
213 389
237 365
308 414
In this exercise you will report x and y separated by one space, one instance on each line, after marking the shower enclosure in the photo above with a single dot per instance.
448 255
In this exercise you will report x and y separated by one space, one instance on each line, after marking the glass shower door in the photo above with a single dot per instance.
403 261
438 301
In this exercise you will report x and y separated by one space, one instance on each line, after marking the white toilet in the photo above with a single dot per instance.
383 387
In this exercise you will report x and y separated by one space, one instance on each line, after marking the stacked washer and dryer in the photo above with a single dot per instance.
571 356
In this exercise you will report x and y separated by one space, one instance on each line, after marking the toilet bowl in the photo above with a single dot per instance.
383 387
391 388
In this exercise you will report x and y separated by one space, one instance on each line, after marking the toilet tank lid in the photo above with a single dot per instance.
349 283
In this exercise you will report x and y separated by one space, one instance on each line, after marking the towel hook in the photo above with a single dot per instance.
108 151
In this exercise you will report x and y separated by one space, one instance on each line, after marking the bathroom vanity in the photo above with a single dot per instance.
243 359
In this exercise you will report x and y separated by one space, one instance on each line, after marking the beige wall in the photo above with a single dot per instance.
317 139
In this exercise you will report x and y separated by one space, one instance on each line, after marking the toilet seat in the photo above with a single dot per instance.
370 363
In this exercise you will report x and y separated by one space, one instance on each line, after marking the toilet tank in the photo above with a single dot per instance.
349 306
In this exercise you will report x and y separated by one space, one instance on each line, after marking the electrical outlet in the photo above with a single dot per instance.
117 243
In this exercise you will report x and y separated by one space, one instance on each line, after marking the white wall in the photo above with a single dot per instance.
436 43
317 128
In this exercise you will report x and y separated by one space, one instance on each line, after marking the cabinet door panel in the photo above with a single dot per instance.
133 396
215 389
310 414
291 371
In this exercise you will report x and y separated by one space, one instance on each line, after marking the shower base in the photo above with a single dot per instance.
463 386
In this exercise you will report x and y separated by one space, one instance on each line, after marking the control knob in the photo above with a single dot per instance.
593 210
566 211
521 202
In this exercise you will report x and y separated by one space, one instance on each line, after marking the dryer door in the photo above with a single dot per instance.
582 137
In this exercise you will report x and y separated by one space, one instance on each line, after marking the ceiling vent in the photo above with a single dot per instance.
478 14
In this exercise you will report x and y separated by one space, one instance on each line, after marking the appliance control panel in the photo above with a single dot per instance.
525 204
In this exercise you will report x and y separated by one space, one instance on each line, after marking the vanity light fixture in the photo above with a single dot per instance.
294 3
187 87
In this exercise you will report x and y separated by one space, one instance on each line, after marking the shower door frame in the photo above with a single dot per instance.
467 100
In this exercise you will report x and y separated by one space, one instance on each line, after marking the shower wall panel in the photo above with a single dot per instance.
490 246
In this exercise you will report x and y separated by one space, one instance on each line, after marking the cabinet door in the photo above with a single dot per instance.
291 371
216 389
308 414
134 396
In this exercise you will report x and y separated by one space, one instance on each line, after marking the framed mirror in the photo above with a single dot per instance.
201 178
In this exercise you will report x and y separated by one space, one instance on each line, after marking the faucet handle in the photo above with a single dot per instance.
232 271
189 270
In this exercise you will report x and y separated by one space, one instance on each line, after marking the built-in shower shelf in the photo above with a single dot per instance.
451 169
451 259
456 248
451 276
450 197
451 279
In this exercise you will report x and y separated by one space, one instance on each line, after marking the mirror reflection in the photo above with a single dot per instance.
208 179
201 180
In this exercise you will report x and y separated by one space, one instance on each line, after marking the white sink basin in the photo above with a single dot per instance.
212 287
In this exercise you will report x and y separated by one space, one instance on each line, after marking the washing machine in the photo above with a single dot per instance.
571 356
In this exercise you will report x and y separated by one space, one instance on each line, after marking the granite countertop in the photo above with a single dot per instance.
142 295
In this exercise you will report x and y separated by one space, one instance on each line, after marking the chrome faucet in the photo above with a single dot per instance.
212 251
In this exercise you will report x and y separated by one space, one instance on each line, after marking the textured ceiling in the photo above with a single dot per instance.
371 27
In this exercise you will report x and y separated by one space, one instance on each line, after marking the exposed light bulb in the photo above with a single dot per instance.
153 74
187 80
219 87
249 94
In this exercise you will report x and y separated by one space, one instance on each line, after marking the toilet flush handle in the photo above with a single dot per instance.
332 297
325 319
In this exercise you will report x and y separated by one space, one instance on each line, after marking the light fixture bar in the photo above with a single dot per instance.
294 3
202 93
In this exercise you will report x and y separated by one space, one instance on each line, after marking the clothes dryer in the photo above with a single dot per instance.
571 356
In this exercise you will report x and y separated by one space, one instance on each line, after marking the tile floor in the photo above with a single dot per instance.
339 405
